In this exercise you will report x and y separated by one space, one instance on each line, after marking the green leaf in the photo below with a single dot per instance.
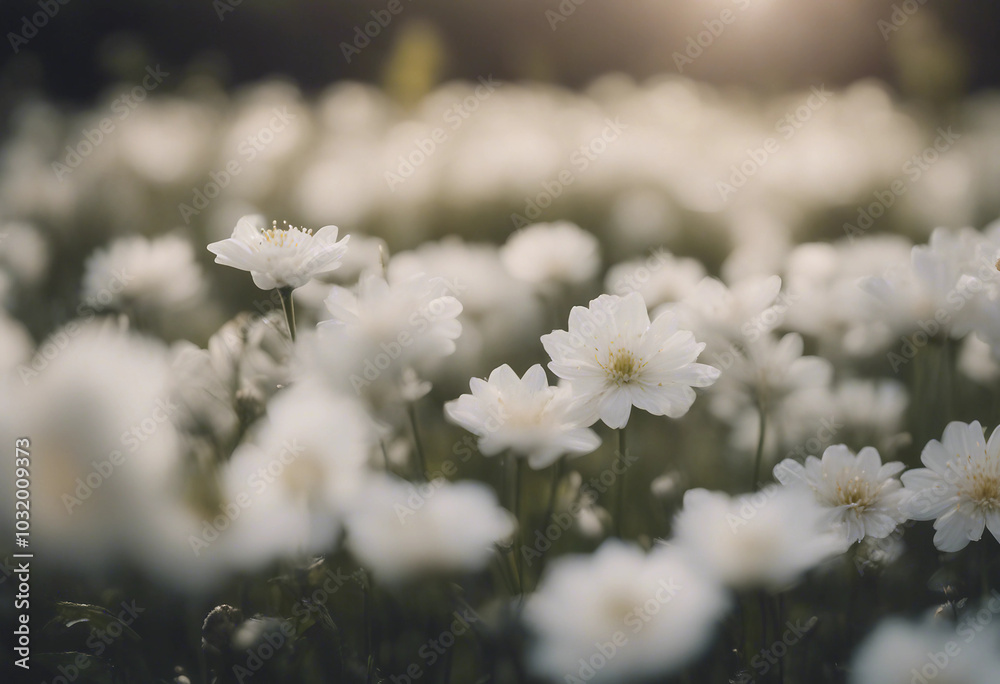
96 617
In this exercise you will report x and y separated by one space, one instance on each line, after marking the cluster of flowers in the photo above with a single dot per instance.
269 444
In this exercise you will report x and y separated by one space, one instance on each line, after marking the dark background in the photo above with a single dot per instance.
89 46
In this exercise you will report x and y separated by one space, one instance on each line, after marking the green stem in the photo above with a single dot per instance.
418 448
518 535
620 499
759 458
558 470
288 306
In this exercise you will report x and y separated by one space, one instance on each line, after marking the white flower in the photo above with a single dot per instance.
908 652
25 254
402 531
280 257
525 415
722 315
661 279
560 252
98 415
621 614
16 345
858 492
766 539
158 274
415 315
960 487
614 358
304 468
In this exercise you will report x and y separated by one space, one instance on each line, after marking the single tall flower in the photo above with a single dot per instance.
280 257
522 414
614 359
960 487
857 492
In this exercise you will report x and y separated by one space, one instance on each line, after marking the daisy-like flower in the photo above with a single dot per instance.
280 256
960 487
525 415
767 539
559 252
861 496
656 609
614 359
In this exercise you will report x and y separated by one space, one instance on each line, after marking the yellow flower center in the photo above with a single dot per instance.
623 367
288 236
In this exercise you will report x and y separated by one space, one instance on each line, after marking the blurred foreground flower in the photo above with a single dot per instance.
621 613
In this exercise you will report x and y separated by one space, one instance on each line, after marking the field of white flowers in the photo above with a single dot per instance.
648 381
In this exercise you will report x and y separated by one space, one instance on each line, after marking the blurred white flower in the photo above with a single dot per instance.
552 253
977 362
614 358
960 487
931 650
525 415
280 257
24 253
410 318
16 344
861 495
135 272
662 278
98 414
303 469
767 539
621 613
723 315
403 531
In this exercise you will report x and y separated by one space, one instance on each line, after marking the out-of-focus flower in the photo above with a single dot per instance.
417 315
960 487
134 272
931 650
280 257
99 416
525 415
661 278
723 315
621 613
403 531
552 253
977 362
23 253
859 493
15 344
614 358
302 470
767 539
